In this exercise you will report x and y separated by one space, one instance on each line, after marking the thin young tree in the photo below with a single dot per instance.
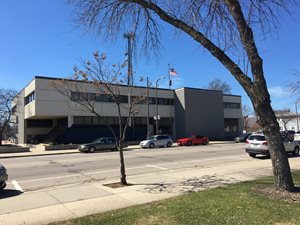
225 28
6 98
218 85
96 82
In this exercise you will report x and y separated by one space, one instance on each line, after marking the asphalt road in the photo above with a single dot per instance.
40 172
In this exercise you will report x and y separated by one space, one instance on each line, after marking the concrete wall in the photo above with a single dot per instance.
21 135
180 116
233 113
199 112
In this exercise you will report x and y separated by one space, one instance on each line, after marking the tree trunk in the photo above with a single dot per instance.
122 163
267 120
120 148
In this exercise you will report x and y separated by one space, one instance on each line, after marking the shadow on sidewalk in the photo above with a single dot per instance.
7 193
189 185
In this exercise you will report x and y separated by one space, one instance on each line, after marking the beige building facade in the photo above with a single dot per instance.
45 115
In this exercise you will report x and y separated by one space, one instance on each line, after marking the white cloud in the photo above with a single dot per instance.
278 92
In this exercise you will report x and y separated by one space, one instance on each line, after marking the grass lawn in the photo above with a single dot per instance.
233 204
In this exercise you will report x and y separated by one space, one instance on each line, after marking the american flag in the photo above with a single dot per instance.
173 72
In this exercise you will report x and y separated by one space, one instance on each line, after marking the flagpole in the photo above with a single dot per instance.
170 96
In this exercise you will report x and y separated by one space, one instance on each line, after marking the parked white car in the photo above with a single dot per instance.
297 136
157 141
257 144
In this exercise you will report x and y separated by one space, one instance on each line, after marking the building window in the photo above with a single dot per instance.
29 98
39 123
78 119
231 125
81 96
232 105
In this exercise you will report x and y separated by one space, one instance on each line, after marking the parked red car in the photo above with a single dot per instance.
193 140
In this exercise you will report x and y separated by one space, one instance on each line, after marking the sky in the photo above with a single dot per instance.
40 38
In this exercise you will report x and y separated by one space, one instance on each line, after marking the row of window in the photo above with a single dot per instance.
231 125
80 96
29 98
77 96
93 120
232 105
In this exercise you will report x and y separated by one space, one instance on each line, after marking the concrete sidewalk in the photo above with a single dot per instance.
77 200
38 152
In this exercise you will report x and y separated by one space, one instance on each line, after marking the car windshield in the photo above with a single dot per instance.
101 140
242 135
257 137
97 140
152 138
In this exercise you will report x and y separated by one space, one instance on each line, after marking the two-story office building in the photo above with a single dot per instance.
45 115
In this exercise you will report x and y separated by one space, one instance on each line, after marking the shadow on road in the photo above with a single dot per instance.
7 193
262 157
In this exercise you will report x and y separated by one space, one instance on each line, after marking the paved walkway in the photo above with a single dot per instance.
71 201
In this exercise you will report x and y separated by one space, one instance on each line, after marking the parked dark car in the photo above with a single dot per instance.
193 140
104 143
3 177
242 138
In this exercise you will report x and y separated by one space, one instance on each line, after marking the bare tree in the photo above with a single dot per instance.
223 27
294 87
6 111
247 111
218 85
104 84
285 116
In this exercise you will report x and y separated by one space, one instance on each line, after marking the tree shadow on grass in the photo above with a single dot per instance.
189 185
8 193
269 191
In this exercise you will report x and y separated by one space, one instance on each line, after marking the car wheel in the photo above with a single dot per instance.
1 188
169 144
92 149
205 142
252 155
189 143
151 145
296 151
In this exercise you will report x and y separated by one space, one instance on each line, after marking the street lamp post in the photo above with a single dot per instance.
157 117
246 123
296 103
148 132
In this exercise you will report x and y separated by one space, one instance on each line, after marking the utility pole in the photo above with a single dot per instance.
129 36
157 116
